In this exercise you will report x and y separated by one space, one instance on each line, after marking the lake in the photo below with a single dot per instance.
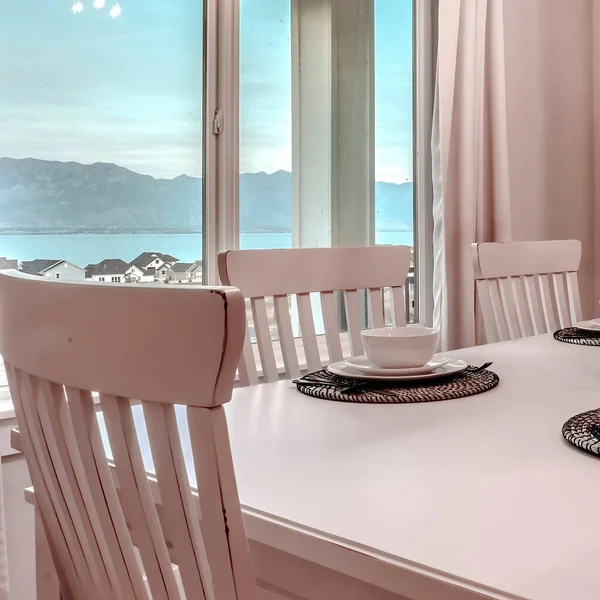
187 247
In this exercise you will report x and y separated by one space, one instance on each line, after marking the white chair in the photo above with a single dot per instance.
275 275
63 341
527 288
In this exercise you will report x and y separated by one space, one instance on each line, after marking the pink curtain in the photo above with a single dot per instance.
552 57
471 187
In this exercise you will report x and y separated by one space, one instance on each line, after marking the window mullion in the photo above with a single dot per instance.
424 53
333 122
221 145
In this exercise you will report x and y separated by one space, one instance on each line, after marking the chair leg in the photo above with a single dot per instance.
47 584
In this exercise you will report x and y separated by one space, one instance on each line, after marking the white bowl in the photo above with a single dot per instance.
400 347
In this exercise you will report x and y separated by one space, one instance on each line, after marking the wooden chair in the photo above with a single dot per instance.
527 288
151 345
275 275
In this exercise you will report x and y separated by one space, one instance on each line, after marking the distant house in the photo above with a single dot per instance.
110 270
153 260
151 266
55 269
8 263
185 272
135 274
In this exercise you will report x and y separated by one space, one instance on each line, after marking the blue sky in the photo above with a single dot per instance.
88 87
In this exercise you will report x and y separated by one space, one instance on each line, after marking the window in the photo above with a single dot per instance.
326 123
310 138
265 141
102 124
58 276
330 137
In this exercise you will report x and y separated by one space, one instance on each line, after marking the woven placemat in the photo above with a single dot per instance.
327 386
583 431
574 335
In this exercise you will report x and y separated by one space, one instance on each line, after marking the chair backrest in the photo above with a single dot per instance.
270 279
527 288
151 345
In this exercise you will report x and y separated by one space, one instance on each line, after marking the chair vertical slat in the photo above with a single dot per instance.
110 514
264 339
534 303
238 546
547 303
307 331
574 299
57 539
376 301
286 335
208 483
330 320
30 386
47 582
180 518
247 366
562 303
353 321
72 481
136 497
399 306
519 297
487 311
497 310
508 308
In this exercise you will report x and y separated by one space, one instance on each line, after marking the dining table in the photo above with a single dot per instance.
477 497
468 498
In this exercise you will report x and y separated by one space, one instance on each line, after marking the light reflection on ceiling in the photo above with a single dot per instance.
115 11
78 6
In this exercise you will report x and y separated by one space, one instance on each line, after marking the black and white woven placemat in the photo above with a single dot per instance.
468 383
583 431
574 335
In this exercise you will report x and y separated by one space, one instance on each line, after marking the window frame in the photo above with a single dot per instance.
221 147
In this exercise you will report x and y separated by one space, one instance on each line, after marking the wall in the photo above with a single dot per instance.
67 271
549 76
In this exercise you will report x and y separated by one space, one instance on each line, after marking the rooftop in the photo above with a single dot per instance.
182 267
109 266
146 258
39 265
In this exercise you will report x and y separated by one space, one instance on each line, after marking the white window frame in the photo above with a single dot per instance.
332 227
220 222
424 73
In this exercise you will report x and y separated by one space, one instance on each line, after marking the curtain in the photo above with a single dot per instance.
470 157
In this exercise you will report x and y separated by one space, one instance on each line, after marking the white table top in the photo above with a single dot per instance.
481 493
483 489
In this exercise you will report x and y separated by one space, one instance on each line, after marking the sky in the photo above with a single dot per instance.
122 83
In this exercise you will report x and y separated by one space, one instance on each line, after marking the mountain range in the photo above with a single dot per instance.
66 197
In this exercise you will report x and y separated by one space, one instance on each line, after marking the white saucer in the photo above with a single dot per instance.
362 364
452 367
593 325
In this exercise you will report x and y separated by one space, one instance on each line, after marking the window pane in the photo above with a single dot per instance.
101 130
394 197
265 124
